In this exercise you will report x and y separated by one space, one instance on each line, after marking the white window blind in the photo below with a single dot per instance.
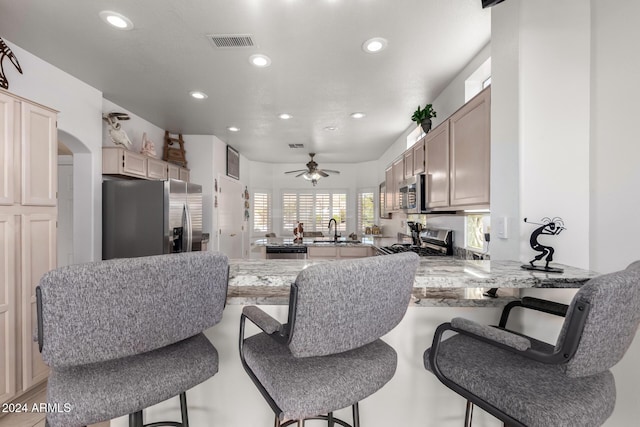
365 211
261 212
314 210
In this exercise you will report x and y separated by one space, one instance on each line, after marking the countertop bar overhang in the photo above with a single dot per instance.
439 281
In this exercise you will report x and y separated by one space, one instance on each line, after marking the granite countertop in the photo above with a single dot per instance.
440 281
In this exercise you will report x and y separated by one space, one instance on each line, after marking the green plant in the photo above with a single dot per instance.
422 114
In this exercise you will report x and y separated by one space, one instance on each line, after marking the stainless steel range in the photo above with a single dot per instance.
426 242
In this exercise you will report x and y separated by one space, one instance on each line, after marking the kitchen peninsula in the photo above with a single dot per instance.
440 281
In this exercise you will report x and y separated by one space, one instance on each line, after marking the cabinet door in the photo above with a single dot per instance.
38 257
6 149
173 171
389 186
355 252
39 156
7 308
135 164
437 153
418 157
320 252
408 164
398 177
184 174
156 169
471 152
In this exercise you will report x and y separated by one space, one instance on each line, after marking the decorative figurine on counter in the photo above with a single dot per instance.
5 52
118 136
298 233
549 227
148 147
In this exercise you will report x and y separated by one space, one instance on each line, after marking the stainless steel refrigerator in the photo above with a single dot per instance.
141 218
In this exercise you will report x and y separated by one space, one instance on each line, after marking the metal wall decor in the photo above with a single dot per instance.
548 227
5 52
118 136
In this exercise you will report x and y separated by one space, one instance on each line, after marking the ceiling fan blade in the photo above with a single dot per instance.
300 174
321 172
330 171
300 170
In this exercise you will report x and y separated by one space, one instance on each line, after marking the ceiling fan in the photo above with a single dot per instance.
312 173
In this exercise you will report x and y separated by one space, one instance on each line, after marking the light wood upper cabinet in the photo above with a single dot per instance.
408 164
119 161
397 169
156 169
471 152
7 107
184 174
437 166
39 156
388 189
418 157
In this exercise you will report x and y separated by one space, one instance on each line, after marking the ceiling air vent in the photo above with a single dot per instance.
296 145
231 40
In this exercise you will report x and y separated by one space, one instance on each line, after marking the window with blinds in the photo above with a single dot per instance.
261 213
366 212
314 210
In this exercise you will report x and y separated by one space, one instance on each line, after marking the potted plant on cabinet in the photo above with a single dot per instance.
423 117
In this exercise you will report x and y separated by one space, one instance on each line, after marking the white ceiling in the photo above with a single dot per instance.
319 73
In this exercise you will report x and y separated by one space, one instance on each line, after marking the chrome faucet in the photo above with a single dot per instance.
335 229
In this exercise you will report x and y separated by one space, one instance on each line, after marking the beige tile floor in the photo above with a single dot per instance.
32 419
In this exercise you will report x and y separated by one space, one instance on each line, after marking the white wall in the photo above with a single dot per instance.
134 127
615 152
79 121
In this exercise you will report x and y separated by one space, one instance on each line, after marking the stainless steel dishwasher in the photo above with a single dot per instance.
287 252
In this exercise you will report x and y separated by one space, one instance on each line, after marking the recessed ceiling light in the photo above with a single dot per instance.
260 60
116 19
330 128
358 115
198 95
374 45
285 116
233 129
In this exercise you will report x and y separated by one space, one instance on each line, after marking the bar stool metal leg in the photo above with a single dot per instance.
277 422
356 415
183 409
468 416
135 419
330 419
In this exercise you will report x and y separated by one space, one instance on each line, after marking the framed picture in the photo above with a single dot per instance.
233 163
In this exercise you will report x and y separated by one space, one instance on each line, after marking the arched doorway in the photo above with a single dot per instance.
78 235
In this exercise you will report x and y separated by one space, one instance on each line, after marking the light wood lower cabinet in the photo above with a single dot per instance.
28 220
38 257
7 309
334 252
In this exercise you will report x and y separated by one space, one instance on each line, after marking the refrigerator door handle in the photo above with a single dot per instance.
188 232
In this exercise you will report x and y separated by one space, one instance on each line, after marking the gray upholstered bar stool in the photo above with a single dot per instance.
329 355
125 334
526 382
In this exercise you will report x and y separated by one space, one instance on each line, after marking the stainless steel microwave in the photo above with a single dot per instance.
412 194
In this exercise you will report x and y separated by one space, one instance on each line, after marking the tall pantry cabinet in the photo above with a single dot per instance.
28 219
